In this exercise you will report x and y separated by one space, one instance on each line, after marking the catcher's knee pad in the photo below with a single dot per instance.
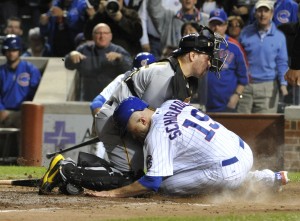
93 178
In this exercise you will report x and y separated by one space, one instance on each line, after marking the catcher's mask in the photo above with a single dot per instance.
206 42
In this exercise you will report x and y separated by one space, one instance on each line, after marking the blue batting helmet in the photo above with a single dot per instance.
142 59
11 42
125 109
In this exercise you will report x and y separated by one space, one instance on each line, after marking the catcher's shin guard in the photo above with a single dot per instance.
93 178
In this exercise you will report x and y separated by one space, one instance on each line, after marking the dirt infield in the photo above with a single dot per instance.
23 203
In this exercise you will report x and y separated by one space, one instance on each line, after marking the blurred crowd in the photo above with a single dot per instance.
100 38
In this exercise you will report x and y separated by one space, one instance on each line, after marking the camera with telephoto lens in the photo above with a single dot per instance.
112 6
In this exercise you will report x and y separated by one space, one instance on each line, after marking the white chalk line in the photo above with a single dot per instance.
28 210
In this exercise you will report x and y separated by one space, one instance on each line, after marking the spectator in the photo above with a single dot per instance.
14 26
285 11
169 23
224 91
235 26
18 82
64 20
98 63
37 45
125 24
266 52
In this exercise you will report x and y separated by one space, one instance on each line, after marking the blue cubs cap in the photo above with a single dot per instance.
218 14
125 109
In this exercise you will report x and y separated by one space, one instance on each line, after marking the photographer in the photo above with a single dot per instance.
125 23
61 24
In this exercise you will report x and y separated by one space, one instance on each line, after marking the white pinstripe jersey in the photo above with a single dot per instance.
182 138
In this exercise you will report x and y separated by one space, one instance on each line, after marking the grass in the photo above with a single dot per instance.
252 217
21 172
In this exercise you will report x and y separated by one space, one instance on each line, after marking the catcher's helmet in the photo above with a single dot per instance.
195 42
142 59
125 109
11 42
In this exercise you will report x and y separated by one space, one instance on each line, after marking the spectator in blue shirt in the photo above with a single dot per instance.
64 20
285 11
18 82
224 94
266 51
